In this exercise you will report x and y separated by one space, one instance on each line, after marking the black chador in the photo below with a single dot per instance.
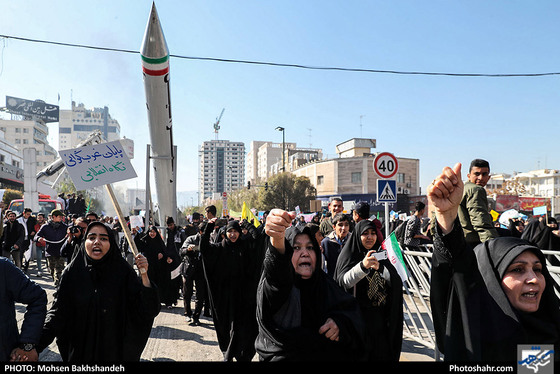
229 274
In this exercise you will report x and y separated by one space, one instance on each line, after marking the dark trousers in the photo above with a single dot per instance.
15 256
189 283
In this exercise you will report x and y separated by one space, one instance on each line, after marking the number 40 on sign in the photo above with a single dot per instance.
385 165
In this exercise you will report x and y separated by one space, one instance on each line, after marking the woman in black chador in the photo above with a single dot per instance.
151 245
102 311
487 300
303 314
228 269
378 288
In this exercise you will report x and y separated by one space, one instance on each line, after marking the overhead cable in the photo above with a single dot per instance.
299 66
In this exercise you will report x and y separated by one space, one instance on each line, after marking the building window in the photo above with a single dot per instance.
400 178
320 180
357 177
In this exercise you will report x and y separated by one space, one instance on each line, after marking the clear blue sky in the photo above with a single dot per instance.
440 120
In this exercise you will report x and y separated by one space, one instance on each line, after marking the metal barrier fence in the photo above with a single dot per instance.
418 322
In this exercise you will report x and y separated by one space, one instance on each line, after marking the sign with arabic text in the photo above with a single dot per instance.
37 108
97 164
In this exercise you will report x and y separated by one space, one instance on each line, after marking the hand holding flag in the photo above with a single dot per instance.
394 254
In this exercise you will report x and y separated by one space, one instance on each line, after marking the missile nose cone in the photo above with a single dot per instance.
154 44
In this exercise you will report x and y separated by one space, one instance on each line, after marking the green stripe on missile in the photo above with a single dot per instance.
155 60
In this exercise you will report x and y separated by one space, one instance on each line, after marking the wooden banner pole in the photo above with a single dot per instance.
122 221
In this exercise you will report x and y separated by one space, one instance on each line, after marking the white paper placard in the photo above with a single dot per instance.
97 164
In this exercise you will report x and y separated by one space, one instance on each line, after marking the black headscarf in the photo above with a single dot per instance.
493 258
289 324
101 310
384 322
353 250
291 233
233 225
538 233
473 317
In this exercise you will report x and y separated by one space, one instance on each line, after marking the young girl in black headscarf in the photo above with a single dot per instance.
378 288
303 314
487 300
102 311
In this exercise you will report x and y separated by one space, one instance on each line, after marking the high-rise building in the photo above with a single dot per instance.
76 124
222 167
29 134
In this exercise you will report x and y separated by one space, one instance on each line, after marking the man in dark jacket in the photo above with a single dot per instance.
12 239
28 222
193 274
332 244
16 287
54 234
80 205
175 238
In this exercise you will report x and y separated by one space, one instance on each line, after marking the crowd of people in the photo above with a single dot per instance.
288 290
226 268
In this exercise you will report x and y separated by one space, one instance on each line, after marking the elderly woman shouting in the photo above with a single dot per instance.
488 299
303 314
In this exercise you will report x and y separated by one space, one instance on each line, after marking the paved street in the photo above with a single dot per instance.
174 340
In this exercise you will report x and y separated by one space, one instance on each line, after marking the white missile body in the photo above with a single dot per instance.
155 67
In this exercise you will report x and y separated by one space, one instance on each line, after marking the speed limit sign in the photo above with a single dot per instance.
385 165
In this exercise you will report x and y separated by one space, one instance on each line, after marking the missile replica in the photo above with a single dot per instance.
155 67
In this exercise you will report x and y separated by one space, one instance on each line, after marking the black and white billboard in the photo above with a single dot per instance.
38 108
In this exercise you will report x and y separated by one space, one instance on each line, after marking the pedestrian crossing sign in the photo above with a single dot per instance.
386 191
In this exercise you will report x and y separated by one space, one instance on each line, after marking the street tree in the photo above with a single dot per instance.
286 191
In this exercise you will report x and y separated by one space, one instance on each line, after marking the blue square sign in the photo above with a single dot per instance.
386 191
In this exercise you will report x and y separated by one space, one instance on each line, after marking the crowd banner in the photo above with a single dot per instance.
97 165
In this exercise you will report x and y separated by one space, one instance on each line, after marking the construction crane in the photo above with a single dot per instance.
217 123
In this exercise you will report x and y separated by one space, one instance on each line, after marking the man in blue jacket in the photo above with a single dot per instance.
15 286
54 234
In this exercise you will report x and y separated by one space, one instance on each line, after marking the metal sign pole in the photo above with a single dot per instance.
387 223
148 192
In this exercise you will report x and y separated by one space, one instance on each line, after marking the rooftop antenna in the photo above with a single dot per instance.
310 145
362 116
217 123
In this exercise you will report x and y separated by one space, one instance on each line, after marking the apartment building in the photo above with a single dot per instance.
222 168
352 177
79 122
